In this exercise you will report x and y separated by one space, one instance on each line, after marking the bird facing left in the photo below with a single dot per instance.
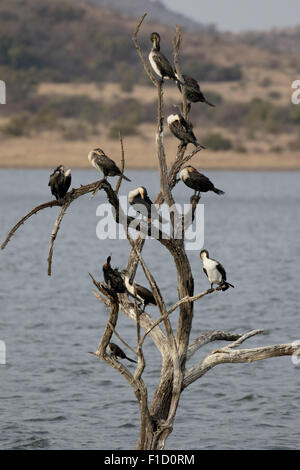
99 160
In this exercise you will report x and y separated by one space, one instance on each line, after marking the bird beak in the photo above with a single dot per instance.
142 193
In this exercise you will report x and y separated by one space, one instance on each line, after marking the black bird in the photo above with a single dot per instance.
143 294
193 91
102 162
113 278
60 181
116 351
139 197
214 271
159 62
197 181
182 129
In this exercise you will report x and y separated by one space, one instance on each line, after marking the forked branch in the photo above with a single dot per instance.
229 355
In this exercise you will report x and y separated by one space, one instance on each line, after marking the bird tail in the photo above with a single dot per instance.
196 143
226 286
218 191
131 360
210 104
125 178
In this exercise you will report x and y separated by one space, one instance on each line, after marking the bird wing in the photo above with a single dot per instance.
204 270
191 83
67 182
221 270
109 164
145 293
163 64
185 124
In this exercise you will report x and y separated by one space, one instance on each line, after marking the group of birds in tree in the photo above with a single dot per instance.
60 180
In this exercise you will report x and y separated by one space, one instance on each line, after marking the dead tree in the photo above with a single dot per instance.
171 339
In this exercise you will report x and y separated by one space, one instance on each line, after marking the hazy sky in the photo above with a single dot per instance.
238 15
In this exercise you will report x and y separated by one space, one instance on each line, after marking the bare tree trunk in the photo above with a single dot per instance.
157 418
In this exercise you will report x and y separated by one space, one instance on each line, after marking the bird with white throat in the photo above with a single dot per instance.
214 271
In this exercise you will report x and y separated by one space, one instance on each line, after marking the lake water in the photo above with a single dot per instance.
54 395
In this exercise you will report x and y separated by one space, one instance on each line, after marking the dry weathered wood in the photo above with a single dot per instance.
54 233
214 335
228 355
27 216
122 164
157 418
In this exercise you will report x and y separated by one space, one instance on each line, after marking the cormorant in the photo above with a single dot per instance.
113 278
214 271
139 196
116 351
102 162
60 181
193 91
182 129
143 294
159 62
197 181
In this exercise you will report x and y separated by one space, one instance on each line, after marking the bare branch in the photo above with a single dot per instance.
122 164
21 222
241 339
214 335
140 53
192 299
121 339
228 355
54 233
176 47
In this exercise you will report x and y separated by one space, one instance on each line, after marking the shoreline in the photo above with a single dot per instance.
204 168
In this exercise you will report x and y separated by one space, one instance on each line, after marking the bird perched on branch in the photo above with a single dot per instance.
197 181
214 271
60 181
159 62
113 278
103 163
182 129
116 351
143 294
193 91
139 197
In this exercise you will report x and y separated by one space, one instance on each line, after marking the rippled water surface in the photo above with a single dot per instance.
54 395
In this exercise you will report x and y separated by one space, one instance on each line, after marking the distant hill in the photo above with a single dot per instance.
157 13
73 75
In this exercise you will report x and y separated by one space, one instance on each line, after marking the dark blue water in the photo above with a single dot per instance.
54 395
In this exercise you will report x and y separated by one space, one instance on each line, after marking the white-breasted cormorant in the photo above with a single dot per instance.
143 294
182 129
159 62
102 162
197 181
116 351
139 197
193 91
60 181
214 271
